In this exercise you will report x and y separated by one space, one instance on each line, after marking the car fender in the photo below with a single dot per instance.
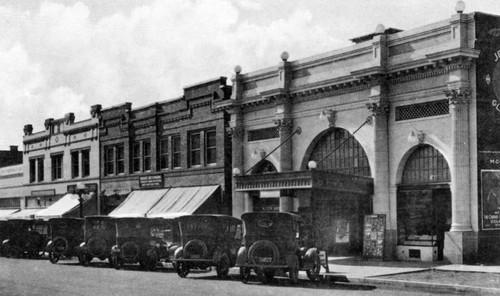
50 245
178 252
115 249
308 259
5 242
242 256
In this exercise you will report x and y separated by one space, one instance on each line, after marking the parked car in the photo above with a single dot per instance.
5 232
208 240
276 242
66 234
143 240
99 237
26 237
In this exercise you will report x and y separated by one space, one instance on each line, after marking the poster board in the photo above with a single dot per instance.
374 236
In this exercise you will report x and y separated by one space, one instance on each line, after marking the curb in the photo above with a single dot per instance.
434 287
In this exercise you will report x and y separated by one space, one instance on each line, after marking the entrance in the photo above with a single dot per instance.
424 203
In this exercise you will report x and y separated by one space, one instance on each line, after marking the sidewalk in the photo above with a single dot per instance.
428 276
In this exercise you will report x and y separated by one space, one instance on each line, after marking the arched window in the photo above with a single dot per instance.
264 167
426 165
349 158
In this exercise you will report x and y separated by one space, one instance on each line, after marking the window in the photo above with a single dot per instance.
57 166
136 157
114 160
109 161
40 171
75 164
164 153
120 159
195 149
210 147
146 150
32 170
85 163
176 151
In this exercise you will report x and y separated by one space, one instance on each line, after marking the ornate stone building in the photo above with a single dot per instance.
402 125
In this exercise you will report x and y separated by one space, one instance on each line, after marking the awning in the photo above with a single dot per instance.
24 214
138 203
64 205
181 201
4 213
120 191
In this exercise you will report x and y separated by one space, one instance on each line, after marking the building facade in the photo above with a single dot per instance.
56 159
402 125
171 144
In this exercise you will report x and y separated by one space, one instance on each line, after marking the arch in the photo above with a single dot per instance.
349 158
424 198
407 156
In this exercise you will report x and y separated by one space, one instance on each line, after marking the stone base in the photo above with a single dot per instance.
460 247
391 241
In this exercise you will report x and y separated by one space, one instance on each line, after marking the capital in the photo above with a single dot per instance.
236 132
378 108
458 96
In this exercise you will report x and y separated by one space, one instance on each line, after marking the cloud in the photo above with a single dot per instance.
58 59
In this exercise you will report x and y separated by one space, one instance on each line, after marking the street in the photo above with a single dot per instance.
39 277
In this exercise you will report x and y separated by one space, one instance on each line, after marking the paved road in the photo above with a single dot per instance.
39 277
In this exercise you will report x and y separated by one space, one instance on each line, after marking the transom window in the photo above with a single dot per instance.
341 153
426 165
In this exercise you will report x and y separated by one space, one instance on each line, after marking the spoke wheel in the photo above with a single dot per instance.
223 267
152 261
313 273
84 259
182 269
53 258
245 274
117 262
293 271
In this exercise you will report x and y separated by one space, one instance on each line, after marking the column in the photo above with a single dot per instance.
284 124
459 100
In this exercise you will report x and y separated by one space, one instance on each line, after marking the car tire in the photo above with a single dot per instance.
84 259
293 270
223 266
245 274
98 247
195 244
182 269
313 273
152 261
130 251
60 244
117 262
53 258
263 244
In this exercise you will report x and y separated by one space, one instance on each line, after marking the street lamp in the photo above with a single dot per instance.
80 189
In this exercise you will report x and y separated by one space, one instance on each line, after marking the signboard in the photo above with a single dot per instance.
490 199
92 187
151 181
374 236
47 192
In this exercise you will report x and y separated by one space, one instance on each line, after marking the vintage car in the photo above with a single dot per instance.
5 233
27 237
66 234
208 240
146 241
275 242
99 237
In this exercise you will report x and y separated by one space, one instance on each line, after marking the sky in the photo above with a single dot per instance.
61 56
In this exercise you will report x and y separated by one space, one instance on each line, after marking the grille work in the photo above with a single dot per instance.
422 110
263 134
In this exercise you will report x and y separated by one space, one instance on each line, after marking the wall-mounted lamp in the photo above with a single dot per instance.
236 172
328 114
416 137
312 165
258 153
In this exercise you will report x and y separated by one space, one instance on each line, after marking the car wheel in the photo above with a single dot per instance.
53 258
268 276
313 273
7 251
293 271
84 259
223 267
182 269
245 274
261 250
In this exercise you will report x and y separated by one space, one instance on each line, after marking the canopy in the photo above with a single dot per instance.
24 214
64 205
138 203
181 201
4 214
